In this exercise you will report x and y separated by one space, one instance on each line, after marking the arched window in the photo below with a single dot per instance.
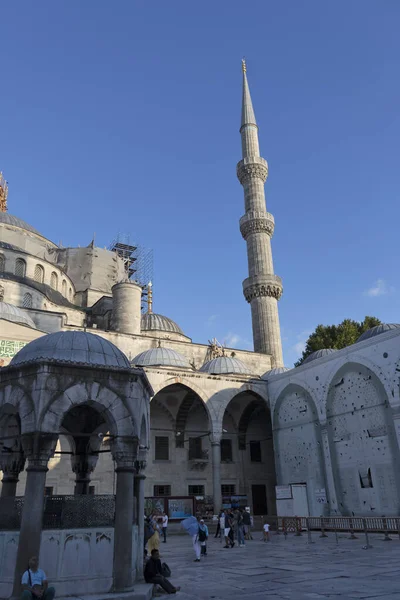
20 267
39 274
54 281
2 263
64 288
70 294
27 301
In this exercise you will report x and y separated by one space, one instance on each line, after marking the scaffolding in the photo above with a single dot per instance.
138 262
3 193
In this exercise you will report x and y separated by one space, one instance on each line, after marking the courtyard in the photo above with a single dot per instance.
287 569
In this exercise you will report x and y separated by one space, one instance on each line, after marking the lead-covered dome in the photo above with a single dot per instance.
319 354
9 312
8 219
161 357
276 371
155 322
73 347
377 330
225 365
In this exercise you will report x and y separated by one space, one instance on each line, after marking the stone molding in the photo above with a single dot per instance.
254 222
253 168
257 287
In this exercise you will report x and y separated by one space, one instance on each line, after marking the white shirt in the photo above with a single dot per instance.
37 577
165 521
266 527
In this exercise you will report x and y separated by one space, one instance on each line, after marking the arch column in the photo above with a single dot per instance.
38 448
11 464
83 466
216 470
329 473
124 455
139 495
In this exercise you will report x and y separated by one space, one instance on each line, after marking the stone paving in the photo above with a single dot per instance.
287 569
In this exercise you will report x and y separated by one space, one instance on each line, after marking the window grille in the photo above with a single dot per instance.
162 490
195 448
162 448
39 274
196 490
54 281
64 288
27 301
20 267
226 450
228 490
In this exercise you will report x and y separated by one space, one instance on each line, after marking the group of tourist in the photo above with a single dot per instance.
234 525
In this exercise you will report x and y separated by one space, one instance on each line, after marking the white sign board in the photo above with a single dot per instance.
283 492
320 495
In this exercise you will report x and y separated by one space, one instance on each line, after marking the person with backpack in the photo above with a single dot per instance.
203 537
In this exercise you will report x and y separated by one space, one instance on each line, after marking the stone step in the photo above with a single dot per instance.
141 591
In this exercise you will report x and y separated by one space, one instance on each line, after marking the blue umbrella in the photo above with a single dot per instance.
191 525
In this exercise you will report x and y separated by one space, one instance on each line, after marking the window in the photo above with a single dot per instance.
162 490
70 294
39 274
2 263
162 448
255 451
228 489
54 281
92 490
226 450
64 288
366 479
27 301
48 491
196 490
195 448
20 267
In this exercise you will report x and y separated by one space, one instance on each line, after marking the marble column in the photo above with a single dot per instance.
123 525
139 495
38 448
333 507
216 472
83 467
11 464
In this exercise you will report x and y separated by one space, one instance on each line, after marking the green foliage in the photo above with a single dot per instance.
336 336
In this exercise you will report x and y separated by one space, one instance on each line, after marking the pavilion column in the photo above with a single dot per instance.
333 507
38 448
11 464
216 471
124 457
83 467
139 495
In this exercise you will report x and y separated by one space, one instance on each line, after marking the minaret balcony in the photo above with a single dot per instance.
257 222
263 285
252 167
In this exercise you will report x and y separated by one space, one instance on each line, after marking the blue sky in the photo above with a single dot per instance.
124 116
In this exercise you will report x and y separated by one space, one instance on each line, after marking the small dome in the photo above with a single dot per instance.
276 371
161 357
225 365
377 330
8 219
9 312
155 322
73 347
319 354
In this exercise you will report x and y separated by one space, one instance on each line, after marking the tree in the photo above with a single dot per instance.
336 336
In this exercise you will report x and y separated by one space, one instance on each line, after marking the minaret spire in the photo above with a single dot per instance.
262 289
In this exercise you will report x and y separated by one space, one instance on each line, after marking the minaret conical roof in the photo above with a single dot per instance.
248 116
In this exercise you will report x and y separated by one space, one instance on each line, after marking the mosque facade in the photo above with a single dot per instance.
226 425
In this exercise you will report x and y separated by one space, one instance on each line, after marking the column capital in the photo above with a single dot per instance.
84 464
215 438
125 452
38 448
11 463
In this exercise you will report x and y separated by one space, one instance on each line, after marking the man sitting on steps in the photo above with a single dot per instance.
153 573
34 583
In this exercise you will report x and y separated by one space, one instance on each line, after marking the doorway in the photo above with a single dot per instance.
259 494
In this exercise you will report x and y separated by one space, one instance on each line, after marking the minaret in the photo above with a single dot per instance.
3 193
262 289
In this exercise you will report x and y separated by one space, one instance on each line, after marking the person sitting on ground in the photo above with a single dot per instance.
266 532
34 582
153 573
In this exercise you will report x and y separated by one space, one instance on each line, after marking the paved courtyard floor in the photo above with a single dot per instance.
287 569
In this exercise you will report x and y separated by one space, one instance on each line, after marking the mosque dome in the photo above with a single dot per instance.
154 322
225 365
377 330
161 357
73 347
9 312
319 354
276 371
8 219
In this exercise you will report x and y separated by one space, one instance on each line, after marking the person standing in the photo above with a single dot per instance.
227 531
154 541
240 530
203 537
247 525
266 531
196 545
164 527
